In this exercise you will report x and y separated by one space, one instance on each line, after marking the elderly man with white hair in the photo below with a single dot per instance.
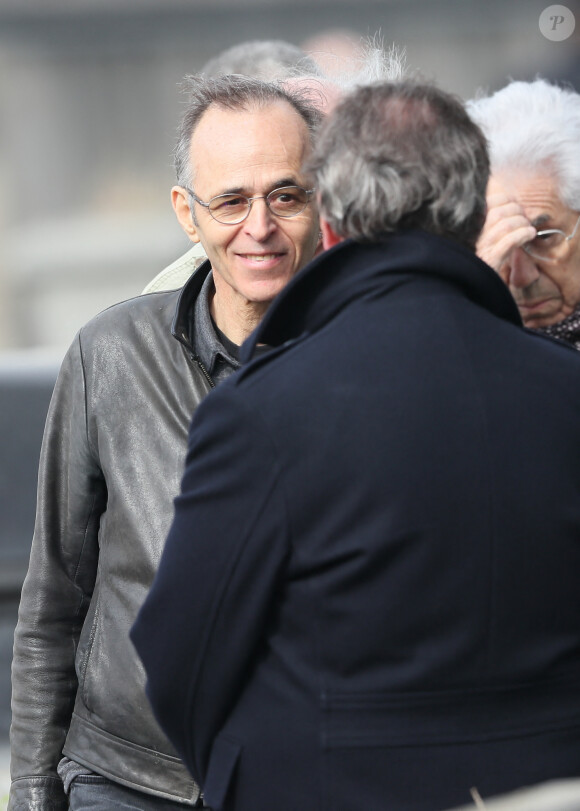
532 232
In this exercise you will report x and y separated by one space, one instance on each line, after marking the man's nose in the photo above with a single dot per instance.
260 222
520 271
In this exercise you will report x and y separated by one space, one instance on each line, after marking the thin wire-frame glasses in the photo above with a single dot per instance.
546 244
231 209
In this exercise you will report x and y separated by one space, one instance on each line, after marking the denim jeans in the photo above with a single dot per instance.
91 792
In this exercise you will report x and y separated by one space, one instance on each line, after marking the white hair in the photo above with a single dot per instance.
373 63
534 126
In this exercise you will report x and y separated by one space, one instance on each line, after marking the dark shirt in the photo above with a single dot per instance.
219 359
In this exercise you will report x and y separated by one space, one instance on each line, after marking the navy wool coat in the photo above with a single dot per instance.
370 594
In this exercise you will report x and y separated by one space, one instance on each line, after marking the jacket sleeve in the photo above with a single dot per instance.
56 594
204 619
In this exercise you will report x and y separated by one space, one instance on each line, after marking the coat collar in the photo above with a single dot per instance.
186 303
350 269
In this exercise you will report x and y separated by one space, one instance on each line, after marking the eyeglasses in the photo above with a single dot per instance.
231 209
546 244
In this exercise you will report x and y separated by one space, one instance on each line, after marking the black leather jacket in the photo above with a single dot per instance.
111 464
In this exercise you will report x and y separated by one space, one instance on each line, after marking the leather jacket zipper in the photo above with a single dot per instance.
204 370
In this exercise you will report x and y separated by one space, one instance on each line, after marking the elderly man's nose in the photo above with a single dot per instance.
521 270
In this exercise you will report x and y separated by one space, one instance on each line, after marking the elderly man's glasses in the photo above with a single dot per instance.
547 244
231 209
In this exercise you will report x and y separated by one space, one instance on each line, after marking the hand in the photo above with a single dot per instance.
505 228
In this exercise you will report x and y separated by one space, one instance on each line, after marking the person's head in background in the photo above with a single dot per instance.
532 231
333 48
270 60
325 75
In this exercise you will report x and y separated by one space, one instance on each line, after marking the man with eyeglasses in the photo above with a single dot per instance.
83 735
532 232
247 201
269 60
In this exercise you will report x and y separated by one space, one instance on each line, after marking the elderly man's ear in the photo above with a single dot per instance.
329 236
180 201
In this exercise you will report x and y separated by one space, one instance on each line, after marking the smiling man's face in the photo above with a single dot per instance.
252 153
545 292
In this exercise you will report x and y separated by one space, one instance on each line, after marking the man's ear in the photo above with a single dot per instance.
329 236
180 203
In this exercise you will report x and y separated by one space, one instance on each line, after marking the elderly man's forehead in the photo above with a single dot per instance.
528 183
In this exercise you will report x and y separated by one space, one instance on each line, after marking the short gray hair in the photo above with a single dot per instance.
270 60
398 155
240 93
534 126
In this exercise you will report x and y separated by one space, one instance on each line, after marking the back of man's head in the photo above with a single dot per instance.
270 60
399 155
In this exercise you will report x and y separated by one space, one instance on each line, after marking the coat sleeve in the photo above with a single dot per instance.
205 617
56 594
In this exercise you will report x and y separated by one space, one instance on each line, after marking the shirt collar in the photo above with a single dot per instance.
209 348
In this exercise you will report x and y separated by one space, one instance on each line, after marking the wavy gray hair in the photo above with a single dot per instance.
400 155
534 126
233 93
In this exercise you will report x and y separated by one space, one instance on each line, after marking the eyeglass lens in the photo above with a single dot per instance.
548 243
286 202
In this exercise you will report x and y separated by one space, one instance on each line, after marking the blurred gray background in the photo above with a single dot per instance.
89 104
